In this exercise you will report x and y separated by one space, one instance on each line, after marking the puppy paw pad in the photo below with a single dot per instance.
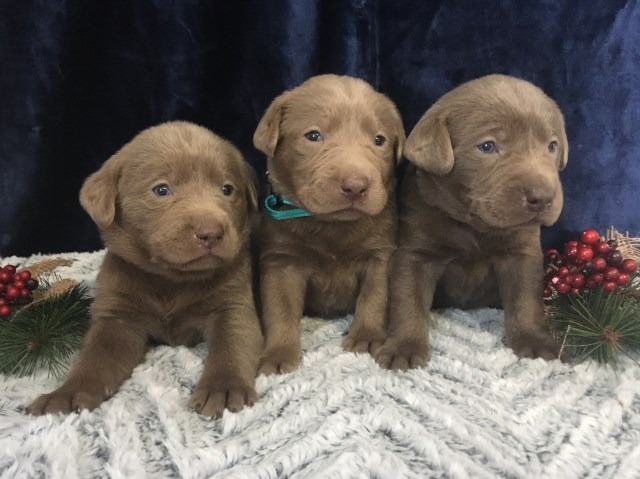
213 400
279 361
363 342
403 355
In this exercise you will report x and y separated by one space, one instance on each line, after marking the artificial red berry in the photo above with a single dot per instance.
571 250
3 288
611 273
555 280
25 275
547 292
563 287
12 293
596 278
560 261
576 261
623 279
5 276
5 311
3 301
601 247
609 286
25 293
31 284
18 284
575 290
614 258
629 266
577 280
585 254
10 268
591 284
550 252
598 263
563 271
589 236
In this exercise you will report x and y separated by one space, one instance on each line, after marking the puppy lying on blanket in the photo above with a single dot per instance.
331 145
484 178
173 208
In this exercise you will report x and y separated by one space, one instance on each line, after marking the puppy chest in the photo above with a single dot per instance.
467 284
181 320
333 288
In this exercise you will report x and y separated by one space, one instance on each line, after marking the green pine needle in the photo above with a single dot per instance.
46 333
599 326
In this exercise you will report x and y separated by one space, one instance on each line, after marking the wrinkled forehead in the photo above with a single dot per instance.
505 120
213 161
332 109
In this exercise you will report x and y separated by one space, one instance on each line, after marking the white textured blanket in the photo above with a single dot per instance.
476 411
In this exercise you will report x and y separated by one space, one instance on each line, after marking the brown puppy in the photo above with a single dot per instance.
173 208
332 144
484 178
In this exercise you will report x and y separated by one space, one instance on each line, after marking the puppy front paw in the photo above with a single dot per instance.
539 344
68 399
363 341
211 397
279 360
403 354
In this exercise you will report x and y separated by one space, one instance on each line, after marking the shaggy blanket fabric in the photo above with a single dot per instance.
476 411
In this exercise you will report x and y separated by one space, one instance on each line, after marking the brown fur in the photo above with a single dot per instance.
336 261
470 220
177 269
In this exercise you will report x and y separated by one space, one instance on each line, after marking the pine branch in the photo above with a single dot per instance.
599 326
45 333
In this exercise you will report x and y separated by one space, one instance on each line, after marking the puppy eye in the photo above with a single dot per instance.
227 190
553 146
380 140
487 147
313 135
162 190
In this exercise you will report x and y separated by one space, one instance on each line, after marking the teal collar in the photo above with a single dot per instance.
274 204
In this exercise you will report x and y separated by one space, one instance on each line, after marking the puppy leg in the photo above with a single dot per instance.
367 330
234 341
526 329
282 293
412 285
110 352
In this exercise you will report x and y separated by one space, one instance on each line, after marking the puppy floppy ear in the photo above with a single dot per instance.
98 193
429 144
265 138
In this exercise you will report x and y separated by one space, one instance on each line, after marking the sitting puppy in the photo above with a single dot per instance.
173 207
332 145
484 177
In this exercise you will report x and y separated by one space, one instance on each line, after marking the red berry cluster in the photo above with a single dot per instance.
585 264
15 288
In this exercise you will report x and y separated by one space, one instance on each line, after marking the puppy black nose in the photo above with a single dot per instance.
539 198
209 234
354 187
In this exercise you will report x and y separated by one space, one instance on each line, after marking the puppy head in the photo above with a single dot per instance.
175 200
496 145
332 144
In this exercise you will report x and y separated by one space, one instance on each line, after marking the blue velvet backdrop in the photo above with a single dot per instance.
79 78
